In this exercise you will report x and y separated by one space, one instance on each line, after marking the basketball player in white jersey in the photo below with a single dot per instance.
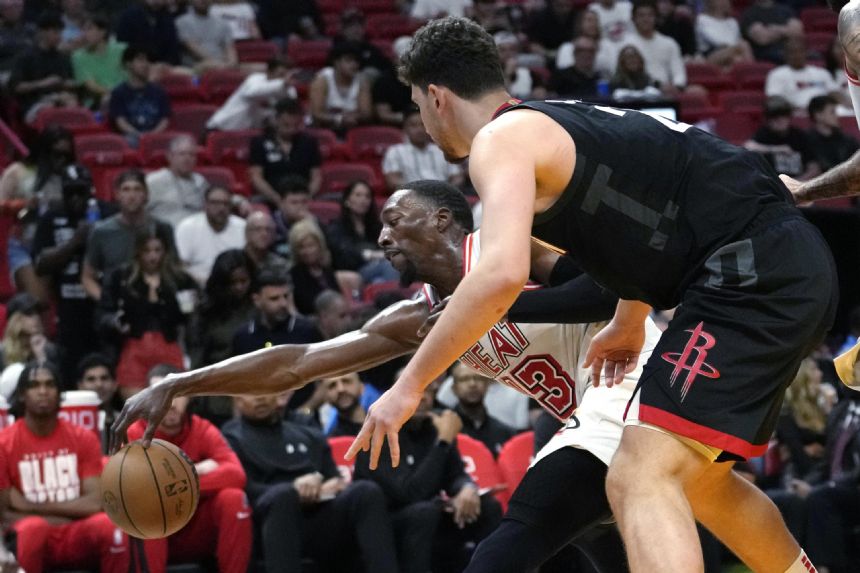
425 236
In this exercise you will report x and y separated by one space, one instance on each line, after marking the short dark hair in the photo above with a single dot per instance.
99 21
440 194
639 4
212 188
292 185
50 20
272 276
131 53
95 360
16 401
161 371
455 53
343 50
818 103
289 106
777 106
131 175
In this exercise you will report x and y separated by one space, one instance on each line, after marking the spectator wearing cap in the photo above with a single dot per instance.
138 106
98 62
353 30
786 147
148 23
206 40
252 105
829 143
797 81
59 248
201 237
43 76
16 35
340 96
284 151
176 191
391 97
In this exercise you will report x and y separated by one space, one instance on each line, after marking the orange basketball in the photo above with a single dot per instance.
150 493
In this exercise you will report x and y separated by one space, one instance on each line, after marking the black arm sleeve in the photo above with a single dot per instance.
572 297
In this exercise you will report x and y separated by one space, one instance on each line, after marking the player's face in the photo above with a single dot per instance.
438 127
343 392
42 397
99 380
406 237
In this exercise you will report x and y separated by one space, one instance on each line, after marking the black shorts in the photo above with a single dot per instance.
760 305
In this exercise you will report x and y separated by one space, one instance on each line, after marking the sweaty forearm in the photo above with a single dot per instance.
843 180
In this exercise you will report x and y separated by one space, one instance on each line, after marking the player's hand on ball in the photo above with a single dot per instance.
384 419
614 352
150 405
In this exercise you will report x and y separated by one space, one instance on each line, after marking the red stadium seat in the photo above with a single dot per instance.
751 75
339 446
227 145
818 19
325 211
735 127
222 177
312 54
370 142
849 126
217 85
75 119
708 76
96 149
256 50
192 119
391 26
696 107
819 42
330 146
481 466
748 102
373 6
514 459
153 146
180 88
337 176
330 6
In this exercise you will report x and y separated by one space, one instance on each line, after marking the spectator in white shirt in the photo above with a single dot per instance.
718 35
201 237
207 41
615 17
662 54
253 102
428 9
588 26
176 191
240 16
797 81
417 158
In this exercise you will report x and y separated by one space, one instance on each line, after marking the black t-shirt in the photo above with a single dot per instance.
307 287
154 30
266 152
37 64
650 199
492 433
142 107
573 83
388 89
547 29
767 15
831 150
791 150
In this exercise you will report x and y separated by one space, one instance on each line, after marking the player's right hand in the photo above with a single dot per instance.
614 352
150 405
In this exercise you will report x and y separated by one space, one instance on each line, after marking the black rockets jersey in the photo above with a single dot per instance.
650 199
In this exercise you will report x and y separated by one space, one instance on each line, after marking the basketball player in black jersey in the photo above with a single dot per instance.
662 214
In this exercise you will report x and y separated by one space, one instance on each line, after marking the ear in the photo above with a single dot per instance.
437 97
444 219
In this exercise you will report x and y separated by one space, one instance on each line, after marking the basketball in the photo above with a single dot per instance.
150 492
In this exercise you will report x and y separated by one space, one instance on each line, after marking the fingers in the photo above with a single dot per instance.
148 435
376 446
596 368
361 441
609 373
118 435
394 448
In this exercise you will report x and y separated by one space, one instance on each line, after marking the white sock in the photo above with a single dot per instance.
802 564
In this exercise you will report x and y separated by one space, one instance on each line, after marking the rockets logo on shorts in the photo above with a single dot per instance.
695 352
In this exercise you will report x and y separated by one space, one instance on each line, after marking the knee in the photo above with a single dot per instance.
365 493
105 530
31 532
618 479
421 514
231 500
282 499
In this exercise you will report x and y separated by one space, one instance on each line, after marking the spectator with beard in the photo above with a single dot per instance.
344 394
470 389
260 234
96 373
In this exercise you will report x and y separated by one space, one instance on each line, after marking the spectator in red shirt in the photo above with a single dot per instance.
51 469
223 515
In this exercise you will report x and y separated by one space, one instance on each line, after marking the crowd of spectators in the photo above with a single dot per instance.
165 267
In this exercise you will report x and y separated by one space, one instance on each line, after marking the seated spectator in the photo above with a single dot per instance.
332 313
74 15
417 158
96 373
53 469
830 145
470 389
293 207
240 16
519 80
797 81
718 35
285 150
260 234
149 23
111 242
432 9
588 26
42 76
549 27
302 506
631 75
495 17
801 424
206 40
201 237
312 270
98 63
221 524
146 305
580 80
767 25
339 95
676 22
615 18
37 179
344 395
431 463
59 248
661 53
353 31
138 106
252 105
280 20
176 191
277 322
16 35
786 147
24 338
391 97
353 236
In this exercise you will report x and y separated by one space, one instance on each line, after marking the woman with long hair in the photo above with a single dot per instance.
353 235
312 271
147 303
630 72
802 424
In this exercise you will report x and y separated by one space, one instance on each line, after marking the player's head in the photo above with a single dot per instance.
451 61
423 225
849 34
343 392
37 394
469 387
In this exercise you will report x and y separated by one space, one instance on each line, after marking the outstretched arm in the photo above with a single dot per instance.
272 370
841 181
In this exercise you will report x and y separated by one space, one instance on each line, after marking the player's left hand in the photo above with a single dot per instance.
384 419
467 506
614 351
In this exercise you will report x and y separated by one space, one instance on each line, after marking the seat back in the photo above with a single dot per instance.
479 463
515 458
339 446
